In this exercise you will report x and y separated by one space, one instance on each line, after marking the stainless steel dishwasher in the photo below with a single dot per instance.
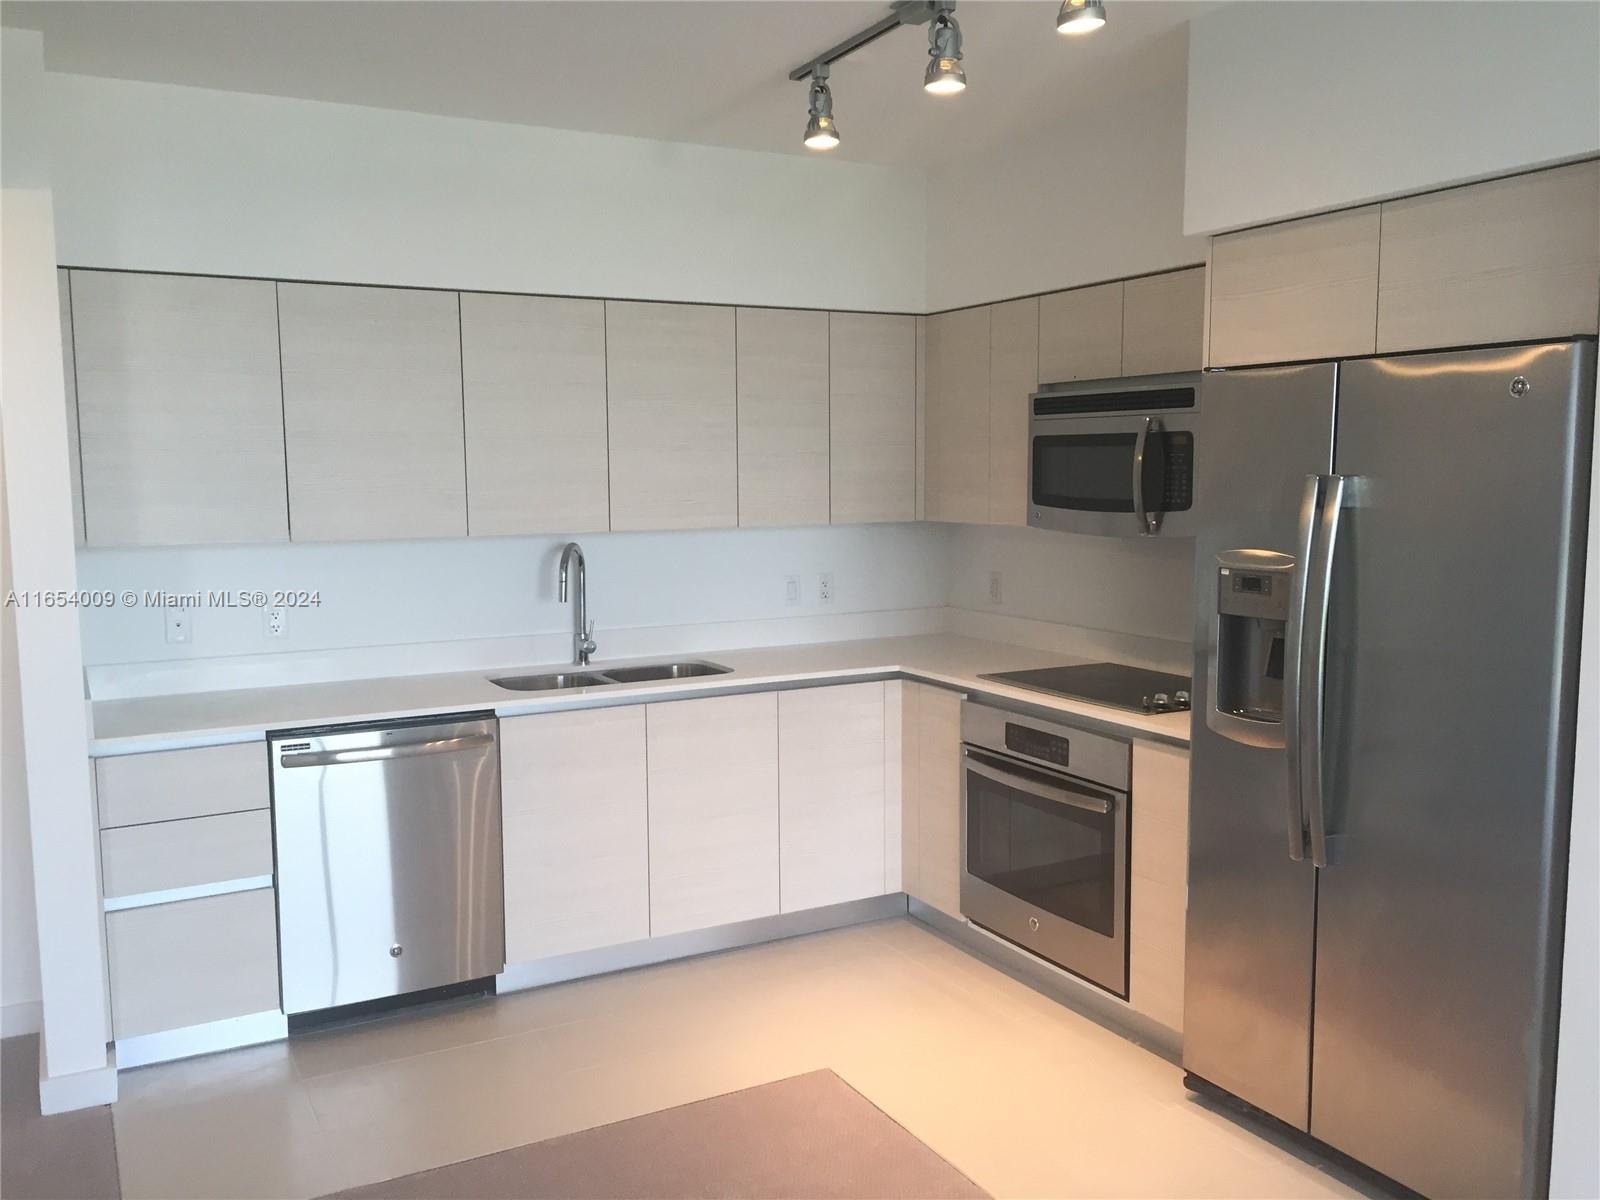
388 859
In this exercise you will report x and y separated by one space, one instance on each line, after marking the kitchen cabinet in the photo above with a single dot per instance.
1080 334
831 795
533 377
782 357
674 416
932 812
958 416
192 962
1506 260
172 785
1163 322
69 373
372 412
576 829
1304 289
180 415
1158 881
713 785
1013 378
166 855
872 407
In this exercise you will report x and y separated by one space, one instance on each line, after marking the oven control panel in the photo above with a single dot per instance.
1036 743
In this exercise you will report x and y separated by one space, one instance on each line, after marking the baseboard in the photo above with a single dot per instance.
229 1034
81 1089
25 1016
700 941
1062 986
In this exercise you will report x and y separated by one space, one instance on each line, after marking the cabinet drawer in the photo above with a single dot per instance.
179 854
175 965
171 784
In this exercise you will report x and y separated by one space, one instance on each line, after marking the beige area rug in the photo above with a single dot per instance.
811 1136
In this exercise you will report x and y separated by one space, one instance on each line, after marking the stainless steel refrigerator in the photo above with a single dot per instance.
1389 581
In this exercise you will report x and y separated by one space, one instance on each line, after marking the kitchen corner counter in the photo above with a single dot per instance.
139 725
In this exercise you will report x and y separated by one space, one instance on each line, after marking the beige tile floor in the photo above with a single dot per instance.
1025 1096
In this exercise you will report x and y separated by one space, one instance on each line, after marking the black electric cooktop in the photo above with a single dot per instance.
1132 688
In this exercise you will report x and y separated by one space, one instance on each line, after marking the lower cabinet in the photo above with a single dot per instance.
831 795
931 816
192 962
575 816
713 787
1158 882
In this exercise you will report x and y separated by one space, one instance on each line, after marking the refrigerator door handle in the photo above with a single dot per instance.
1294 657
1313 668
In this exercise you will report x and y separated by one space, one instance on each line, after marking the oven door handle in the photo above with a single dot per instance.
1035 783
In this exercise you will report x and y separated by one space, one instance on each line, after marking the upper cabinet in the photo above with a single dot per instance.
70 379
533 374
872 423
1080 334
782 357
1301 290
674 416
958 416
1013 378
179 409
1501 261
372 412
1163 322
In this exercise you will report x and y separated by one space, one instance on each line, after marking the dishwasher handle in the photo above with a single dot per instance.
334 758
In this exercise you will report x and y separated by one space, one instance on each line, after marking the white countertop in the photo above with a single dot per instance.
148 723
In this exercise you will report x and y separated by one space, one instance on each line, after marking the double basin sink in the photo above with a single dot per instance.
550 681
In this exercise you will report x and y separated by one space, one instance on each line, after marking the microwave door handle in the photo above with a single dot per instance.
996 769
1305 545
1313 669
1139 443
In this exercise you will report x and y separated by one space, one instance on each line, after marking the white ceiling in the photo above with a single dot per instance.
707 71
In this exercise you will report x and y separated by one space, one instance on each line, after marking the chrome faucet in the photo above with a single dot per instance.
582 628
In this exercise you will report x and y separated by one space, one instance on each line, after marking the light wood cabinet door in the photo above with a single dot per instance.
372 412
1158 882
1301 290
1013 378
180 412
872 406
69 373
1507 260
958 416
831 795
938 799
167 855
1163 322
1080 334
911 788
577 855
674 416
171 785
533 373
713 782
783 416
176 965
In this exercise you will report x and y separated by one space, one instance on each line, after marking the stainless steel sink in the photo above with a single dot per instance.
670 670
549 682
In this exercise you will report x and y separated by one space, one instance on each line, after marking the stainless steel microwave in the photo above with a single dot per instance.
1115 457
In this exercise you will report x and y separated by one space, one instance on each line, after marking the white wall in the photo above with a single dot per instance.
1294 108
388 593
156 177
1096 199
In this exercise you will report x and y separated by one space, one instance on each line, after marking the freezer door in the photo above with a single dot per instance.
1451 663
1247 985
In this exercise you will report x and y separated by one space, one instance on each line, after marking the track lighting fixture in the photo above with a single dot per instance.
821 132
944 76
1080 16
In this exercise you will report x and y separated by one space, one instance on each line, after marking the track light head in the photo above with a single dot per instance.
821 132
1080 16
944 76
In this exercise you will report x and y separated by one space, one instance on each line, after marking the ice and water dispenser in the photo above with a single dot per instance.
1247 660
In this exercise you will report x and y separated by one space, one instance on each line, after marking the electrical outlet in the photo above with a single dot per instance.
180 627
791 589
825 587
994 587
277 622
